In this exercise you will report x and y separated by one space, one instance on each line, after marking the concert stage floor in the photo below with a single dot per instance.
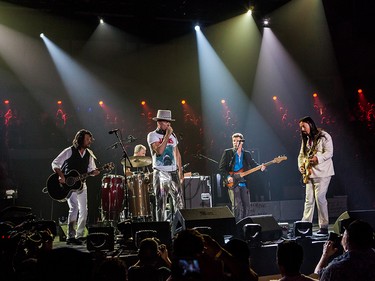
263 258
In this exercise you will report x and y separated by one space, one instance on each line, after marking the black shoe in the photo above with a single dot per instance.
73 241
322 232
82 239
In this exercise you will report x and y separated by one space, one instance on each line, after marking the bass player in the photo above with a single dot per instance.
233 161
316 166
80 158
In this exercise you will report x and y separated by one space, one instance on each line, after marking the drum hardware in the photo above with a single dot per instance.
137 161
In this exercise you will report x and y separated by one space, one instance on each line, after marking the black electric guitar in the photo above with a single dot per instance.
73 182
238 176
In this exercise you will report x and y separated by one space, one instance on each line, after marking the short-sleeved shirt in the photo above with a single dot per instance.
166 161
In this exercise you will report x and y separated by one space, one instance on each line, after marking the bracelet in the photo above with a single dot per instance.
219 254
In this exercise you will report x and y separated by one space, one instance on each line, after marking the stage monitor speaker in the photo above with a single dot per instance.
16 214
271 231
101 238
219 219
197 192
350 216
364 215
162 228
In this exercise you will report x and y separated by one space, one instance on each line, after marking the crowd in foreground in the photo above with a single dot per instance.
196 256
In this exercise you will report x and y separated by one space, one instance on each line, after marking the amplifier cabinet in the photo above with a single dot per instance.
197 192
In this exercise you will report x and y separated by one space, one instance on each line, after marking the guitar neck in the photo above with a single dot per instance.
86 175
248 172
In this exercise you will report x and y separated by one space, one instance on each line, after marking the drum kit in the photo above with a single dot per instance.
128 197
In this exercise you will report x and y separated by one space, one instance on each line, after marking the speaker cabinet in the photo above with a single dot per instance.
162 228
219 219
271 230
197 192
350 216
101 239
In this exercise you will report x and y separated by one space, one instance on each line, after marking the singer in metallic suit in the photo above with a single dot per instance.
166 163
233 161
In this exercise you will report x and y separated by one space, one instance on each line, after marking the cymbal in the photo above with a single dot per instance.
138 161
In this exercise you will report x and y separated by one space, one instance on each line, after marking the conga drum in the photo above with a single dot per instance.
113 196
138 196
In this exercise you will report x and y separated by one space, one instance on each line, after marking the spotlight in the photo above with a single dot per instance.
143 102
41 35
101 21
253 234
183 102
101 103
6 102
59 102
302 229
249 12
222 101
274 98
315 95
266 22
197 28
360 91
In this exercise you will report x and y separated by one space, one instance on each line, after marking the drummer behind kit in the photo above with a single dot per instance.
139 163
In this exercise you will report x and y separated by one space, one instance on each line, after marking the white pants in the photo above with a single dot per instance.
77 210
316 190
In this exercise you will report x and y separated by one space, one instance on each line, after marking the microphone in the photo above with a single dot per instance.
242 140
113 131
184 166
131 139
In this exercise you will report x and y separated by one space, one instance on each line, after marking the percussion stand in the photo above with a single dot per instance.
126 159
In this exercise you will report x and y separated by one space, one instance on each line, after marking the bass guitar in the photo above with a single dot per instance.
73 182
238 176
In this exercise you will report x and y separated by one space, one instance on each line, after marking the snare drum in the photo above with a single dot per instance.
139 199
113 195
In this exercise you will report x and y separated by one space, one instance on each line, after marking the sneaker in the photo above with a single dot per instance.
73 241
322 232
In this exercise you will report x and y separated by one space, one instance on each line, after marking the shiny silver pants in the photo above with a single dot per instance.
167 183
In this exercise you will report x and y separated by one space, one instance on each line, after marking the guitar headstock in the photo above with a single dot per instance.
108 167
279 159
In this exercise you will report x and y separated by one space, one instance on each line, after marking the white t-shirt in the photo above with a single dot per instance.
166 161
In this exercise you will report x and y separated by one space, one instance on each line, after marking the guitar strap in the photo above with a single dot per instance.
231 162
92 154
312 149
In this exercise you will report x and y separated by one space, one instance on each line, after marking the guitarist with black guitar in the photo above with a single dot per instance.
234 161
76 158
316 167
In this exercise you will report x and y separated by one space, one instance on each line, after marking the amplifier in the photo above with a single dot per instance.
197 192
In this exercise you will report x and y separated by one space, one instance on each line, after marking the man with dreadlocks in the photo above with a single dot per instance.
316 166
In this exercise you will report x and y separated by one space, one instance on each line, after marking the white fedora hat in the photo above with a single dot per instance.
163 115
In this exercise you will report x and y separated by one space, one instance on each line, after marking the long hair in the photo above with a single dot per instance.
314 131
79 137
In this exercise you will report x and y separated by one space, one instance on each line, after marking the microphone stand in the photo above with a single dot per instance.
126 158
205 157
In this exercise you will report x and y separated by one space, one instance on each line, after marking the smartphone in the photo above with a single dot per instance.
187 267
